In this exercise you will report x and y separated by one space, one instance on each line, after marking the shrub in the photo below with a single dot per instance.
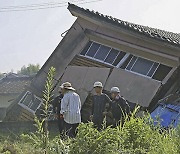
90 140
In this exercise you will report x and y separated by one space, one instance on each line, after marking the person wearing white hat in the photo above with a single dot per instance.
70 109
101 103
119 106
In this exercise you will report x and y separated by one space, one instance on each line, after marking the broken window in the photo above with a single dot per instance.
30 102
103 53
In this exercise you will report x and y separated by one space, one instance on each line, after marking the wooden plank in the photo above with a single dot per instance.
26 117
83 61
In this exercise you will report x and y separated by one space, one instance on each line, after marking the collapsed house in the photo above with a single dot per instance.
11 86
142 61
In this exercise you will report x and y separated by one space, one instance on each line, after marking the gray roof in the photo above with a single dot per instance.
162 35
15 85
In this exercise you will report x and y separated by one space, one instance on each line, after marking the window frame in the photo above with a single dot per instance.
137 57
30 103
123 60
102 61
106 55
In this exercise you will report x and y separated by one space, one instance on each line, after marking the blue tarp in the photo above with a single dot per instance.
167 115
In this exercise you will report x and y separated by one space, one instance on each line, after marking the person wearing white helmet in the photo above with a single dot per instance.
101 103
119 106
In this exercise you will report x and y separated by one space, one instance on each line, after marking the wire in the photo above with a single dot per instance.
48 6
29 9
37 5
31 5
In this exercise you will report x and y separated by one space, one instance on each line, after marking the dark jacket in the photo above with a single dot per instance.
119 108
57 104
100 104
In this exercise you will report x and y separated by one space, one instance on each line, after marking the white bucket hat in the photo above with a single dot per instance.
67 85
98 84
115 89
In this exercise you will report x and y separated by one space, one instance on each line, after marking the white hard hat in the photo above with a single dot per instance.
115 89
98 84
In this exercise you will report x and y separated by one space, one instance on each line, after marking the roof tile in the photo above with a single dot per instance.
14 85
169 37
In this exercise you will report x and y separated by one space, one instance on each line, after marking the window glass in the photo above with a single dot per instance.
93 49
153 69
102 52
27 99
142 66
84 51
35 104
124 65
161 72
131 63
112 55
119 58
31 101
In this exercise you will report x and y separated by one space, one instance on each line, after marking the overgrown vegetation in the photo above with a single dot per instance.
138 135
135 137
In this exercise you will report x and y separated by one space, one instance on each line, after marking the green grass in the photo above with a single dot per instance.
137 136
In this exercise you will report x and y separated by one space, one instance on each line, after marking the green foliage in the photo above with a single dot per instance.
136 136
89 140
31 69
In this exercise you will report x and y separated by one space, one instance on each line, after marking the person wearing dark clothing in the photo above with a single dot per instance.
101 103
120 107
56 110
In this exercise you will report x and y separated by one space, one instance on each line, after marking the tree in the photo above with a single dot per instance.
29 70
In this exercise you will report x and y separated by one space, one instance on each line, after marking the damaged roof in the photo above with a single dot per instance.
15 85
162 35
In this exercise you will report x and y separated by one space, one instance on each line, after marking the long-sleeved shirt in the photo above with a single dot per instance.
57 104
71 108
119 107
100 104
